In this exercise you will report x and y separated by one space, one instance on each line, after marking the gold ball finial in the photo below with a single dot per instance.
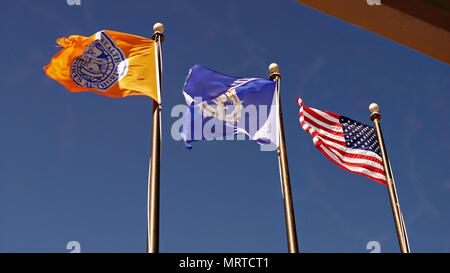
158 27
274 68
374 108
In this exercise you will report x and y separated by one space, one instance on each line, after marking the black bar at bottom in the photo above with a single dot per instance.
216 262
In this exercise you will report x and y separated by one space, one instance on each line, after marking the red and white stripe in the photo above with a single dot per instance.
328 137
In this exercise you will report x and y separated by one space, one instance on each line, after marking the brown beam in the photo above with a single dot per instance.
423 25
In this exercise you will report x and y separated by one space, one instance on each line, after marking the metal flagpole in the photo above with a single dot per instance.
395 204
284 169
153 177
405 233
401 214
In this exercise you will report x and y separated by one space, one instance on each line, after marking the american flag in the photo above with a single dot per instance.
348 143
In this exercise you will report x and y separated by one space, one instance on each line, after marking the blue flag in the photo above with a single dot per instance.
223 107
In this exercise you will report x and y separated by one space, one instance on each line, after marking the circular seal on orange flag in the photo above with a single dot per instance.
101 65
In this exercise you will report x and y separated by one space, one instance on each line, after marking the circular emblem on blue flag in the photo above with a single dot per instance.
227 107
101 65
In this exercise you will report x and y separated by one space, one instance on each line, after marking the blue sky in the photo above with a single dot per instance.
73 167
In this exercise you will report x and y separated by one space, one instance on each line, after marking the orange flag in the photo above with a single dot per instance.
109 63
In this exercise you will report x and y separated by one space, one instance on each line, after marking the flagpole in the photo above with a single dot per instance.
153 177
395 204
401 214
284 169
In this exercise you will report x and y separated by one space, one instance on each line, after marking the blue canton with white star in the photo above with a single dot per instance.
359 136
